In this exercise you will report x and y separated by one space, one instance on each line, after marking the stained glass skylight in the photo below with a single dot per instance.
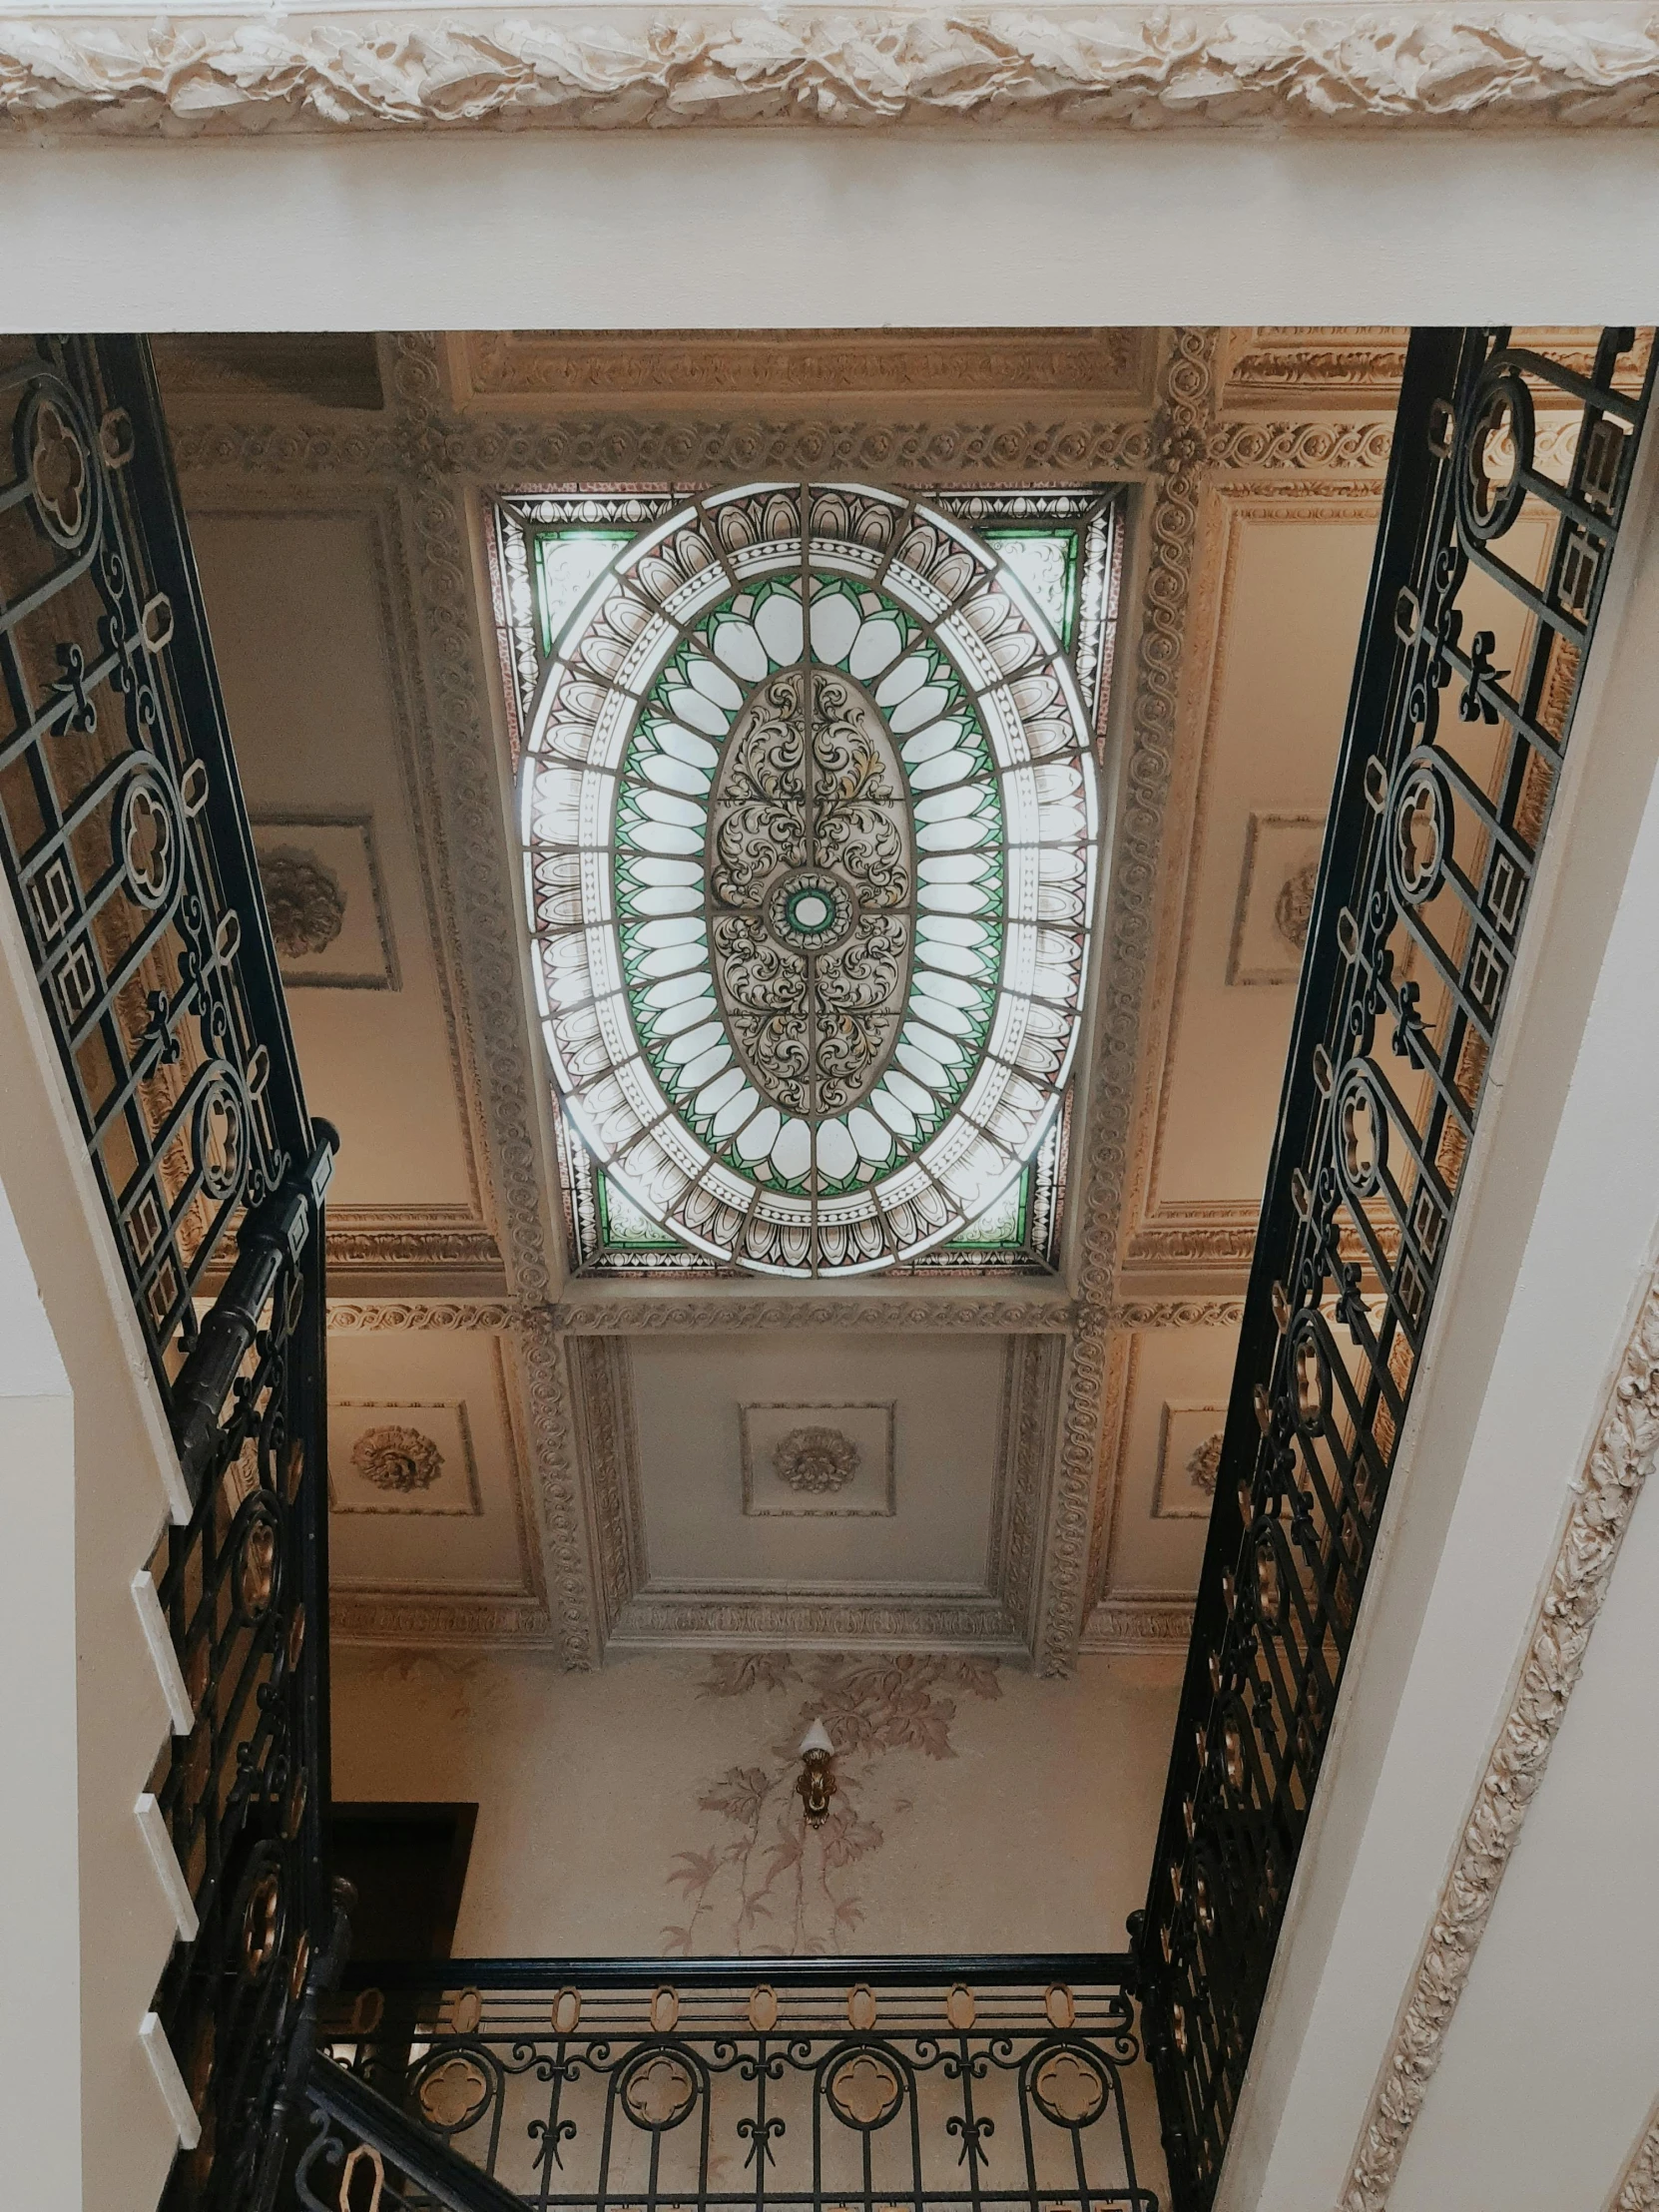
809 824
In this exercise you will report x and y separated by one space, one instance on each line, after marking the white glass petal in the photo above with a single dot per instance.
838 1155
735 1112
779 626
921 707
683 1050
673 898
874 647
706 1063
676 776
910 674
701 712
833 626
715 1095
669 807
758 1139
873 1142
739 646
686 746
714 683
943 769
673 929
792 1149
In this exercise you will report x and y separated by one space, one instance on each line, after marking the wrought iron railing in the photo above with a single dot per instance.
127 852
1506 484
801 2085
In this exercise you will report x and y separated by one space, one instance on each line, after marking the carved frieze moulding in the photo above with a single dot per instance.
1119 1624
1606 1494
1089 68
412 1617
641 1317
731 1619
359 1317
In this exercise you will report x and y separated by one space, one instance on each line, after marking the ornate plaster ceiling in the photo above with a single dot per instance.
341 550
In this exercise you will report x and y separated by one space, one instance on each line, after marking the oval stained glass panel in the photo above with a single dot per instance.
811 833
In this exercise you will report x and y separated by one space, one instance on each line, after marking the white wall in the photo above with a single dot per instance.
40 1937
83 1921
804 227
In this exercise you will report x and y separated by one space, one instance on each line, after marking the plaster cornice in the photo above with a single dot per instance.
1604 1497
1083 68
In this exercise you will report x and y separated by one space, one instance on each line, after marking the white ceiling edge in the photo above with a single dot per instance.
825 228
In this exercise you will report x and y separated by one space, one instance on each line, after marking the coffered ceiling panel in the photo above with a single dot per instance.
1293 583
944 1396
316 686
426 1487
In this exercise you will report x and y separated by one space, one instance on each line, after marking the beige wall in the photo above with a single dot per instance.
646 1809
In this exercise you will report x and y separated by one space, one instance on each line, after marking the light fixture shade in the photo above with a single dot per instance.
816 1738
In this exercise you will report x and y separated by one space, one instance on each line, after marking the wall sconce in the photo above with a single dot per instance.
816 1785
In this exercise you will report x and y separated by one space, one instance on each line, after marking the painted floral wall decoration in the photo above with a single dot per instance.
765 1885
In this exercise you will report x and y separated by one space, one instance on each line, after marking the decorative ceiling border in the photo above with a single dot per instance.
1321 69
358 1317
1138 1624
1184 429
1604 1498
731 1619
379 1617
642 1316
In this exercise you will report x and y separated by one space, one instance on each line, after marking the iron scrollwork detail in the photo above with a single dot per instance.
127 857
1449 767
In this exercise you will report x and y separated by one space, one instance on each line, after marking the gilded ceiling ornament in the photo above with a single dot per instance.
813 1461
396 1458
305 899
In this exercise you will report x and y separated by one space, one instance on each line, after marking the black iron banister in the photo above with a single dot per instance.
982 1969
129 858
960 2083
1443 790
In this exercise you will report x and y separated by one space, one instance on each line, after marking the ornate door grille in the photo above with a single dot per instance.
1506 485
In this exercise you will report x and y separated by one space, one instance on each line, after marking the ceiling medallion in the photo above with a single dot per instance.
813 1461
811 827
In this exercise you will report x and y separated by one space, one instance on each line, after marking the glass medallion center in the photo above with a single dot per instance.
810 912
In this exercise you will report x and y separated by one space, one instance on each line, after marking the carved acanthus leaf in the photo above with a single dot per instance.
1320 67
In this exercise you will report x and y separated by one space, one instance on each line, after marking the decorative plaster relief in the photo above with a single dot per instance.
1326 67
413 1456
1605 1497
817 1461
321 884
1276 897
1189 1454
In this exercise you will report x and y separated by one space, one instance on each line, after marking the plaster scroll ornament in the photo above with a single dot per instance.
304 900
809 819
396 1458
813 1461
